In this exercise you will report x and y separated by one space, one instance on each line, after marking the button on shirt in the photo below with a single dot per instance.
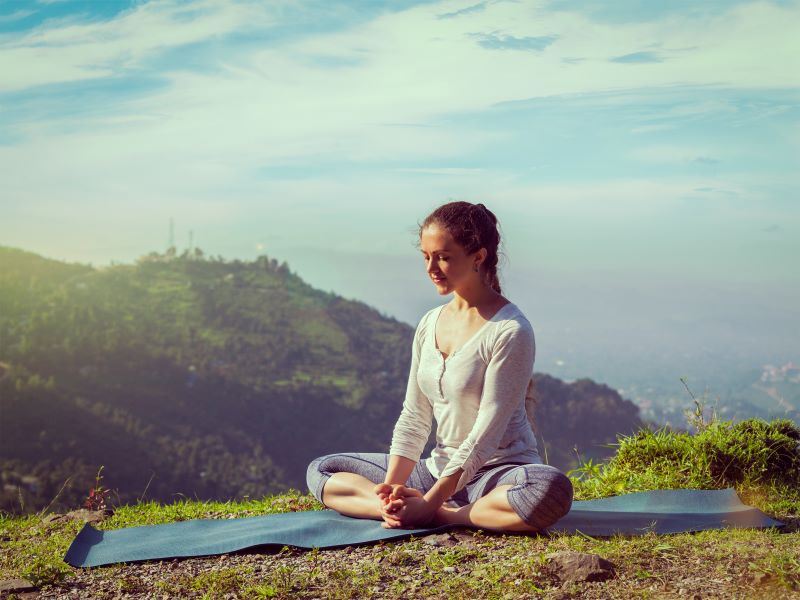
476 394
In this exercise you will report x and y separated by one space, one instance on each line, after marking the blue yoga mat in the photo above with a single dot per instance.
660 511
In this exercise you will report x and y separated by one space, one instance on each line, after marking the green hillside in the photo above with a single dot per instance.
212 379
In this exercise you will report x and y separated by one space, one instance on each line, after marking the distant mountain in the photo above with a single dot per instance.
580 420
210 378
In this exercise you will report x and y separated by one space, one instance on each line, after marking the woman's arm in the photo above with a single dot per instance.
410 432
414 423
442 489
399 470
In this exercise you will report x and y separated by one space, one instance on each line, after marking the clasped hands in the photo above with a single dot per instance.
403 507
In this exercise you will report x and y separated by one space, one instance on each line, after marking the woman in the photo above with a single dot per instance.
471 366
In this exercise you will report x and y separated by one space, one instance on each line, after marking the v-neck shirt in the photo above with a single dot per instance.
476 334
476 395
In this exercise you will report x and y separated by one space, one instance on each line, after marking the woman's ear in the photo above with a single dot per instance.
482 253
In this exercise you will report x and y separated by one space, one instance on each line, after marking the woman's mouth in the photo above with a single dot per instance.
439 280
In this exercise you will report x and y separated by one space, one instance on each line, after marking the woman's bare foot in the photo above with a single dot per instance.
417 512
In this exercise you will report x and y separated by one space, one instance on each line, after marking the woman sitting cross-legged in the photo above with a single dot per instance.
471 370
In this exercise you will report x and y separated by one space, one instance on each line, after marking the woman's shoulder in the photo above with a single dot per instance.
427 318
513 323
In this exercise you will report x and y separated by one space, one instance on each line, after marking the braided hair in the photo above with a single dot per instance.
473 226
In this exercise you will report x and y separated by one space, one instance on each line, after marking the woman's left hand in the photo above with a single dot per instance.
407 508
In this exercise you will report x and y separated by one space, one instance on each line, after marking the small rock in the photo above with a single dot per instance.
579 566
449 569
16 585
90 516
53 517
466 538
440 540
760 578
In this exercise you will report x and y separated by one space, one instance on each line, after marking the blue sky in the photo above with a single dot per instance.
632 142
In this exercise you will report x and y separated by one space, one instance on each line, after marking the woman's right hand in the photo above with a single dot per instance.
384 493
392 498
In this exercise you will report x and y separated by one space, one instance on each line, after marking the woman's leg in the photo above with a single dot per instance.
514 498
345 482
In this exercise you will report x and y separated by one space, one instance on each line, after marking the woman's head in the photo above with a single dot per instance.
459 242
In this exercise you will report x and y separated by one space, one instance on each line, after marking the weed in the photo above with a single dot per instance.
42 571
218 582
97 494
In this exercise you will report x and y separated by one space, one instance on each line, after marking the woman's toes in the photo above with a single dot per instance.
402 491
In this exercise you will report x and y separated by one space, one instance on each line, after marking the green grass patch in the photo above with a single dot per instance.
760 459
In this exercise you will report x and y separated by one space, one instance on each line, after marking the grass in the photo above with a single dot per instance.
760 459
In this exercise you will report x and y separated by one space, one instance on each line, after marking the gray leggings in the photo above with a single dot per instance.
540 495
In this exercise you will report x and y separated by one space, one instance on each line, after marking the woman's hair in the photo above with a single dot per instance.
472 226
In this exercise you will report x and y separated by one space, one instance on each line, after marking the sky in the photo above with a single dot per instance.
642 157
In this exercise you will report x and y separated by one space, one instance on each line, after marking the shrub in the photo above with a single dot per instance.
721 454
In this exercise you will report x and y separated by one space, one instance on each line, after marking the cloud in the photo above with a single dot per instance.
718 191
509 42
676 154
638 57
705 160
16 16
481 6
459 171
261 94
72 49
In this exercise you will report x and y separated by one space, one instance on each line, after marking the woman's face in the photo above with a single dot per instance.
446 262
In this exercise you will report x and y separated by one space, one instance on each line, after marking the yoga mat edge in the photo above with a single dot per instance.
660 511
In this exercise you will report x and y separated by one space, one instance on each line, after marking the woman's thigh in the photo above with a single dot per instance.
540 494
372 465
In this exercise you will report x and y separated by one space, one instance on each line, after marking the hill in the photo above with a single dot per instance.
212 379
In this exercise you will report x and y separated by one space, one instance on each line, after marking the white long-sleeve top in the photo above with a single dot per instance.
476 394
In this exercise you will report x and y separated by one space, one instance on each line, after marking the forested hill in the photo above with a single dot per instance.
210 378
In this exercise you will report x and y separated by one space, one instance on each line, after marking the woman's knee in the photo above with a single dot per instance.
542 497
369 465
316 476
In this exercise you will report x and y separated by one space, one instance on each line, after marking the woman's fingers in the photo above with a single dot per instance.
393 502
396 518
406 492
394 505
383 488
390 519
393 519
